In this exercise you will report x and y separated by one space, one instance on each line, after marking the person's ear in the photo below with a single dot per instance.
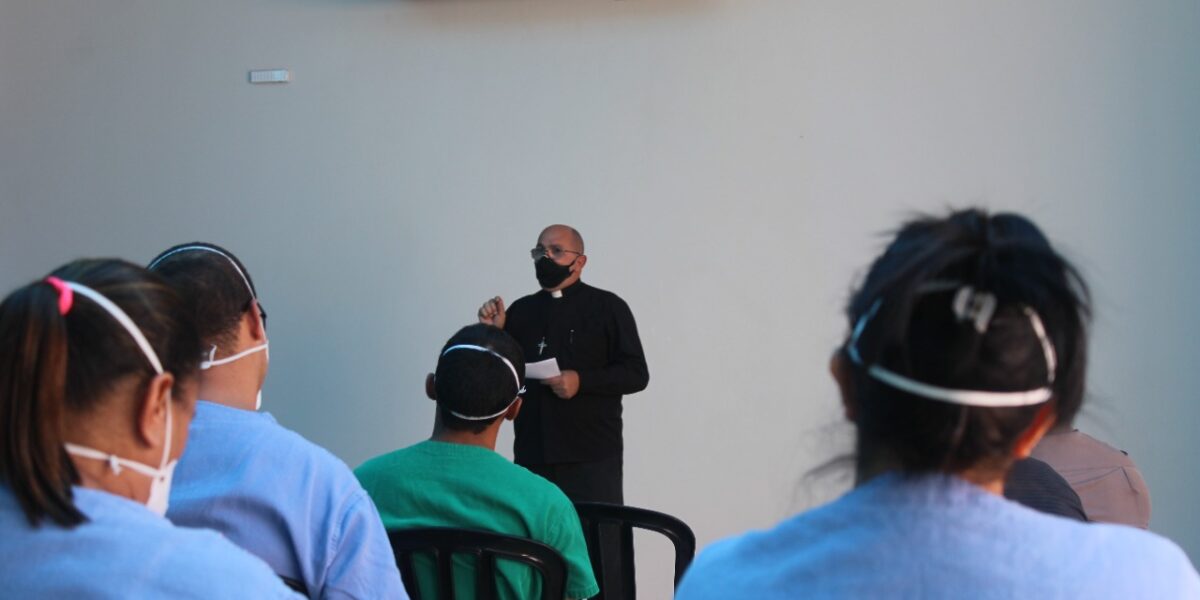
1042 422
252 322
513 410
580 262
431 387
152 411
840 368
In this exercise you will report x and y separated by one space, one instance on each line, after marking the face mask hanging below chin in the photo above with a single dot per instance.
160 478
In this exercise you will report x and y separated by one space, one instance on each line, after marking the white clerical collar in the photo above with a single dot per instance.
556 294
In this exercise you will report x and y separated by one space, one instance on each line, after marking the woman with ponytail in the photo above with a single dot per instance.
97 387
966 342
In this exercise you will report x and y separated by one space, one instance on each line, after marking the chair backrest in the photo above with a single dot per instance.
608 529
294 584
443 544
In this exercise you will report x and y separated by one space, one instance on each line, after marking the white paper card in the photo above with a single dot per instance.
544 369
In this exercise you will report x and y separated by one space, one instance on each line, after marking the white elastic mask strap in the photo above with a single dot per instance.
978 308
245 279
216 362
115 463
484 418
964 397
1047 348
507 363
121 318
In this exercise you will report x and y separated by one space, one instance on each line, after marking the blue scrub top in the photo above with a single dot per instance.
285 500
123 551
936 536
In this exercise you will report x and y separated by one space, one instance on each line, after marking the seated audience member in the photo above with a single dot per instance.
269 490
456 478
97 386
965 344
1108 483
1037 485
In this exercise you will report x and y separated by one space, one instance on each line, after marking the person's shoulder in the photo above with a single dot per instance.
609 299
200 562
1075 449
587 288
800 543
729 566
779 538
299 447
1130 543
1111 560
388 462
524 302
1098 446
305 462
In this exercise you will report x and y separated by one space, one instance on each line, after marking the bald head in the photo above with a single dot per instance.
568 237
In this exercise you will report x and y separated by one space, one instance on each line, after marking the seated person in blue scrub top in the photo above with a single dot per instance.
97 387
966 341
283 498
456 478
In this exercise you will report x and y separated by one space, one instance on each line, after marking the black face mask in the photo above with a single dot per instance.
550 273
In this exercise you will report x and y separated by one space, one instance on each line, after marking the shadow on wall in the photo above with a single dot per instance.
523 13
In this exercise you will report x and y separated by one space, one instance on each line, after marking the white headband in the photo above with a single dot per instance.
245 279
977 308
516 379
121 318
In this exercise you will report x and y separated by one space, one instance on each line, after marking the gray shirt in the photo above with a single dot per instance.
1107 481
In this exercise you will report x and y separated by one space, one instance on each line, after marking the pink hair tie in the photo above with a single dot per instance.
66 296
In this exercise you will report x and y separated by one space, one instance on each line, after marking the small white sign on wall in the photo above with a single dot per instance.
270 76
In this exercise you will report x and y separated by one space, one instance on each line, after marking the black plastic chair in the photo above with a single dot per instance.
444 543
294 585
602 521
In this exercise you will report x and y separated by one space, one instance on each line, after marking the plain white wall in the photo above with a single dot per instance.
731 163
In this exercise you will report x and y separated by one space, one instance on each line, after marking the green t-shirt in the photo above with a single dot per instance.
438 484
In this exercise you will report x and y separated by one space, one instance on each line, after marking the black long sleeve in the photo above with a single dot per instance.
626 371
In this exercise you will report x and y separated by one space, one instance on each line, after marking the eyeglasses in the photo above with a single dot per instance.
553 251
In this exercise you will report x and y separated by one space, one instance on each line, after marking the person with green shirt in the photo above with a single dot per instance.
456 478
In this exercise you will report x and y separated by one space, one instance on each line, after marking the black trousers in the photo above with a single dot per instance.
592 481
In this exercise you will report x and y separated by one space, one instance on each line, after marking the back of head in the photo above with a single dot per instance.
914 320
216 284
475 383
61 354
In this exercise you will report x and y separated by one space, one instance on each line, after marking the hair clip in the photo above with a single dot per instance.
975 306
66 296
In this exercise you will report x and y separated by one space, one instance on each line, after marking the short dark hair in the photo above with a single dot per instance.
207 275
52 365
477 383
915 334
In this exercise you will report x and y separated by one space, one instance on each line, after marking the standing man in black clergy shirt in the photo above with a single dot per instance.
569 429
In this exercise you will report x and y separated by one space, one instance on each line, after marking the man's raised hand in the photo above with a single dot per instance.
492 312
